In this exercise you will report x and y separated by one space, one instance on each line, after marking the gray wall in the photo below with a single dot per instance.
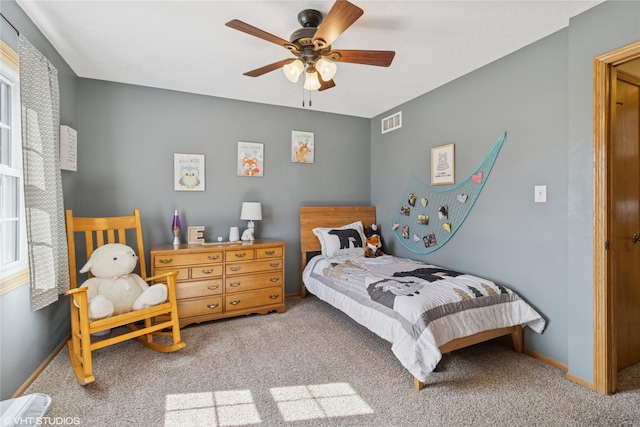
128 134
26 338
542 96
507 237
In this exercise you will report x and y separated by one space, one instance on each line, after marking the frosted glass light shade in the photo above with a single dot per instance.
326 68
293 69
311 81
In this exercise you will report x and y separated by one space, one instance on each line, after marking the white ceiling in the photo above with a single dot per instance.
185 46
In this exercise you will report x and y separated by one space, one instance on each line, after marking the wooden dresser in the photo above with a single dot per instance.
219 281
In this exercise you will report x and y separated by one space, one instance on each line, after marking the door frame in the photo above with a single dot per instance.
605 363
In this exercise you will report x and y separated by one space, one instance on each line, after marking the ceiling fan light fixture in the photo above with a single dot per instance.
293 69
311 81
311 46
326 68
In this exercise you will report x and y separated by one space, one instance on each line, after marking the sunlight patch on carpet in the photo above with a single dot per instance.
307 402
216 409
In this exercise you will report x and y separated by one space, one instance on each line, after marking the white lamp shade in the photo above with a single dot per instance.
311 81
251 211
327 69
293 69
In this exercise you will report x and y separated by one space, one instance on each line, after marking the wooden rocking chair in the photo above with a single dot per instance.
97 232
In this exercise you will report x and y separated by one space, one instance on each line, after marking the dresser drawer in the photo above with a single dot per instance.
198 272
269 252
238 255
255 298
250 267
183 273
170 260
199 288
253 281
199 307
206 271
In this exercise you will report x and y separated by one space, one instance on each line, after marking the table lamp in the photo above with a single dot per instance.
251 211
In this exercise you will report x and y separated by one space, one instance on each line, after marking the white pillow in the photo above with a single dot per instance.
346 240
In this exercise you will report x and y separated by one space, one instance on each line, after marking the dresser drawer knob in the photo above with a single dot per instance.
165 261
235 302
269 252
276 296
241 255
275 264
212 305
212 288
274 279
235 268
207 271
234 284
213 257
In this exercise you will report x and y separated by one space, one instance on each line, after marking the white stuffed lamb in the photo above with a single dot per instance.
115 289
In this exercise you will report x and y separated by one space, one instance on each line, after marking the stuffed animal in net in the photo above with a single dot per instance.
115 289
373 248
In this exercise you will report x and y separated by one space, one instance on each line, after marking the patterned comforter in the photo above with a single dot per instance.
416 306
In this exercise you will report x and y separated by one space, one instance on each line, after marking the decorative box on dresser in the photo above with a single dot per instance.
224 280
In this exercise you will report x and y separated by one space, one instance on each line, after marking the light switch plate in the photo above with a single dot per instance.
540 194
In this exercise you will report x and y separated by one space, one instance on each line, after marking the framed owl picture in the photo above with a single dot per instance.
443 165
188 172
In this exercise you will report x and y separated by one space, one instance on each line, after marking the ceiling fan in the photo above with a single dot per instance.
311 45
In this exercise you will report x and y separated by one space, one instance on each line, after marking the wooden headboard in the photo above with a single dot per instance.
327 216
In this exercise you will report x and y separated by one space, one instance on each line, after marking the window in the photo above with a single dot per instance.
13 247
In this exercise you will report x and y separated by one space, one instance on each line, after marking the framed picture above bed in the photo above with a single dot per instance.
443 165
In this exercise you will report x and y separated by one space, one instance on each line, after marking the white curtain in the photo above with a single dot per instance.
46 236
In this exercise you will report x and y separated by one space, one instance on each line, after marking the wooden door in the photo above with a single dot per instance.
625 219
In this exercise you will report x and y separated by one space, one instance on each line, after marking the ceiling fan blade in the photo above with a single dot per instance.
381 58
325 84
268 68
257 32
339 18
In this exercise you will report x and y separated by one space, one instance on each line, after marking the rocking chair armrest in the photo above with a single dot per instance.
76 290
171 276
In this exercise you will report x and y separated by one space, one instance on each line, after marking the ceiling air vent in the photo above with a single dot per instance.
391 122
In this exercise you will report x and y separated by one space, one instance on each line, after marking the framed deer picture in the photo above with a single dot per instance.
302 149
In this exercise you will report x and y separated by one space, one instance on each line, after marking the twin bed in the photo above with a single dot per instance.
423 310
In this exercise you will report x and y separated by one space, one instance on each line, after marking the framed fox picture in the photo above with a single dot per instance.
250 160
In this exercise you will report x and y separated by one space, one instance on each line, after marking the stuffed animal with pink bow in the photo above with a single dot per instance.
115 288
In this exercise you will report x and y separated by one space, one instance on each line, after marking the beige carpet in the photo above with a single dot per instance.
313 366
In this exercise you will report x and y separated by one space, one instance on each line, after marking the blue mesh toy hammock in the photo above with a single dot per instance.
428 217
